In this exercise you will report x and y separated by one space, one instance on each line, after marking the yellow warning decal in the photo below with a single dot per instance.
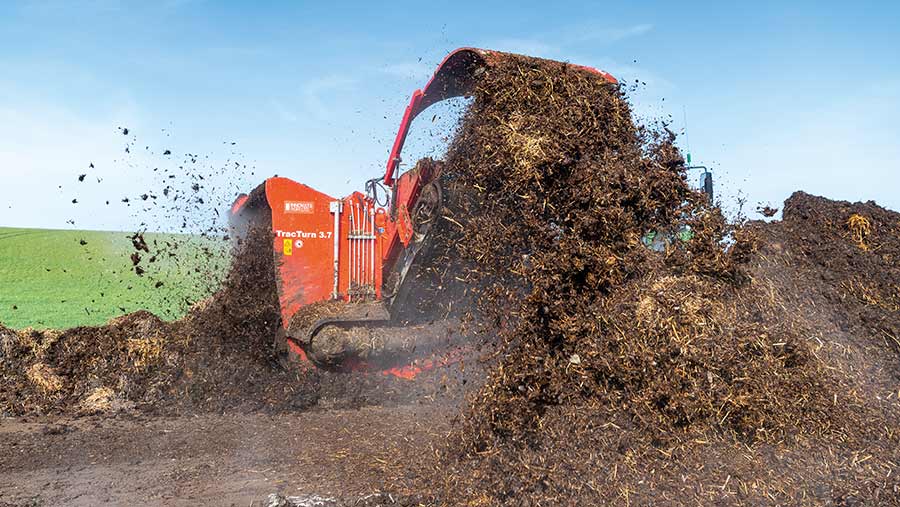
288 247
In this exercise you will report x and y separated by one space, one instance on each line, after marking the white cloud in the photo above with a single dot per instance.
556 44
628 72
527 46
283 111
416 71
600 35
320 95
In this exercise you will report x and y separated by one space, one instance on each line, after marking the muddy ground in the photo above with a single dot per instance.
232 459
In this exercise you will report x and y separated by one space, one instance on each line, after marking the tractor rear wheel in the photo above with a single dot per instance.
428 208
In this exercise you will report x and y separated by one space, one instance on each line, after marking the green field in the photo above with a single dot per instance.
66 278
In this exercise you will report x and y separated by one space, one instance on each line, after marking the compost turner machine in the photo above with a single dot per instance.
352 260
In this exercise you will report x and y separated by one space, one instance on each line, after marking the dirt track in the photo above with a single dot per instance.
234 459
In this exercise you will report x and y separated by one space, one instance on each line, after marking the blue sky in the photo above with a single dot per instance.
778 97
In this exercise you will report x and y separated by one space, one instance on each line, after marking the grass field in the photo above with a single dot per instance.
63 278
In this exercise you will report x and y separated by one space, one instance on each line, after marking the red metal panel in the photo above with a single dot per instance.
412 110
381 225
407 189
238 203
454 77
303 244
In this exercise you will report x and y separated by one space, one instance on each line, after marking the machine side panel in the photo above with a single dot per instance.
407 188
361 249
303 227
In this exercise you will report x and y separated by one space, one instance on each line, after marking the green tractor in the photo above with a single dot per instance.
659 241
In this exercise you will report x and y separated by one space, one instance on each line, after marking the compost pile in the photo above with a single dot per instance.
627 375
220 356
138 359
844 260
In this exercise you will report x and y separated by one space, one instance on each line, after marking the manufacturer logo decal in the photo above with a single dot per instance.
299 207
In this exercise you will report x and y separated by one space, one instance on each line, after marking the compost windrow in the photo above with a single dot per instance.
704 371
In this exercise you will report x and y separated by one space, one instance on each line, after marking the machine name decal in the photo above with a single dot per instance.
301 207
303 234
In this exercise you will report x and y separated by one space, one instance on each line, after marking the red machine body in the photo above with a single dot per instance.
330 248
